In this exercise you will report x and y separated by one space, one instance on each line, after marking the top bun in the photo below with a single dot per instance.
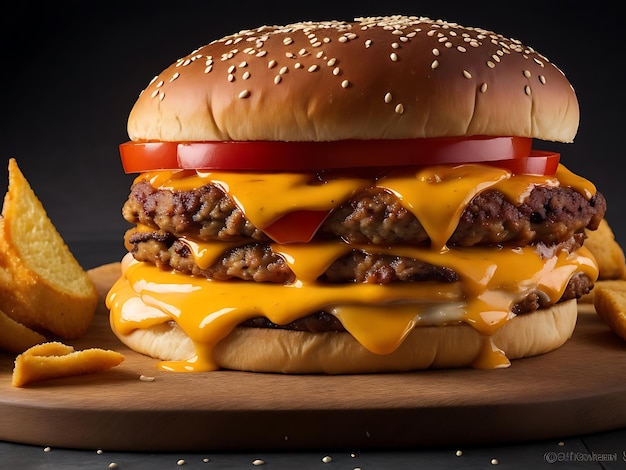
374 78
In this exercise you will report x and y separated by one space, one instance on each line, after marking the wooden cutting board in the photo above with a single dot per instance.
578 389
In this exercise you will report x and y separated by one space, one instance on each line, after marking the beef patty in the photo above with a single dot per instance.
550 218
549 215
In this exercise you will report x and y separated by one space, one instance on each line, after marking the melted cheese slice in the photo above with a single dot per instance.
491 281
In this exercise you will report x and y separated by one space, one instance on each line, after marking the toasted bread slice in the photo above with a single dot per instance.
42 286
15 337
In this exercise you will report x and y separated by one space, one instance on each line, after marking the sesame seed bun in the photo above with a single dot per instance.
374 78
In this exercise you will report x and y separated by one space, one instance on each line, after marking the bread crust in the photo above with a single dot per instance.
373 78
299 352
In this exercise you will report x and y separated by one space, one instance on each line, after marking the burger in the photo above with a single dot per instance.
353 197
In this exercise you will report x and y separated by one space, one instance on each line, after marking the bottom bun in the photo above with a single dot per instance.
300 352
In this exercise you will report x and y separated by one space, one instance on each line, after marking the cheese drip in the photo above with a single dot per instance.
492 279
208 310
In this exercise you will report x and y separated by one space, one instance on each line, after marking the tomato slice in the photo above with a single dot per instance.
138 157
297 226
539 163
304 156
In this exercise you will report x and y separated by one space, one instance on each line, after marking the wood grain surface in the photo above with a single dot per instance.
578 389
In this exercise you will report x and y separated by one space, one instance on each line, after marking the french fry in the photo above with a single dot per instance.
610 303
606 251
609 256
54 360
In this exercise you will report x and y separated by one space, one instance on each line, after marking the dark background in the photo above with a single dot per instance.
71 71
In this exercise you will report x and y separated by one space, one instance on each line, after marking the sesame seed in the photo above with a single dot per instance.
345 84
342 39
298 65
490 64
283 70
461 49
399 109
261 53
395 45
526 73
388 98
436 52
368 43
154 93
231 69
394 57
231 77
527 90
538 62
336 71
483 87
277 79
459 453
257 462
466 74
290 55
180 462
271 64
434 64
313 68
207 69
160 84
244 94
243 64
246 75
176 75
287 41
542 79
331 62
327 459
302 52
